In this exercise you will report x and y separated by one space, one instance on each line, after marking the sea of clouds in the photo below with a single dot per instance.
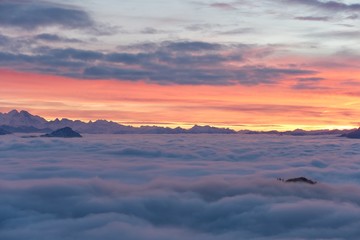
194 187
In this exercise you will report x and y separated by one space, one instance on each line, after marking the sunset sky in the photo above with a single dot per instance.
244 64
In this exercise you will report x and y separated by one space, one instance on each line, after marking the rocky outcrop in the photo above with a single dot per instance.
298 180
4 132
65 132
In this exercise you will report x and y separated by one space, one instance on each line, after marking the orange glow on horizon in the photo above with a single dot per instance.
261 107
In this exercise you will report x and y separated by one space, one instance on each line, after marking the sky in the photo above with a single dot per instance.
267 64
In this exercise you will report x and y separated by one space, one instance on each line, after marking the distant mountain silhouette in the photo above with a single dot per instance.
352 134
21 119
25 122
300 132
65 132
209 129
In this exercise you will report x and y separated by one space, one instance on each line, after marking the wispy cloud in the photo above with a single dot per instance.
313 79
344 34
150 30
313 18
223 6
334 6
46 37
29 15
238 31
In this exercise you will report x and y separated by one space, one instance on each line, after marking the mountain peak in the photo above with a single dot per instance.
15 118
23 112
13 112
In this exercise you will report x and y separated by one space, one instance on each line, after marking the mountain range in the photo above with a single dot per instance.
24 122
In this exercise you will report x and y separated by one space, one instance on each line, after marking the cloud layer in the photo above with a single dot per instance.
80 41
170 62
193 187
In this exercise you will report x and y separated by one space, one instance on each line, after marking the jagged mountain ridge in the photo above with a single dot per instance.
23 121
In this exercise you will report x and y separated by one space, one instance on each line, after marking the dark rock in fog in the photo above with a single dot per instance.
298 180
30 136
65 132
4 132
353 134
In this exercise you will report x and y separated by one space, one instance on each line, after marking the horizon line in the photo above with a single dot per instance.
190 125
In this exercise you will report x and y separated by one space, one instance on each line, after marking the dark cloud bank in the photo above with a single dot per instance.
178 187
29 15
180 62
